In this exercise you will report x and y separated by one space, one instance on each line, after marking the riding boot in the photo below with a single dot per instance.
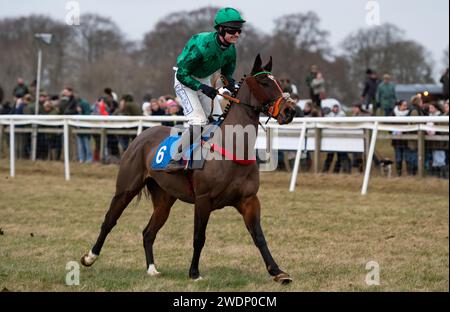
188 137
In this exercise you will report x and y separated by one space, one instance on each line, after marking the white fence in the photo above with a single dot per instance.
345 134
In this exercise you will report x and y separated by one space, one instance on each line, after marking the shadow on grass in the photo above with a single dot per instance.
172 279
217 277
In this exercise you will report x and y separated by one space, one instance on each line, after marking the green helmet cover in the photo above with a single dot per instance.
227 15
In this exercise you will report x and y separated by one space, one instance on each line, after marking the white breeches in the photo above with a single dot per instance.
196 105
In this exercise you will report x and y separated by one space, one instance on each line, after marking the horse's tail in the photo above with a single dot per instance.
145 190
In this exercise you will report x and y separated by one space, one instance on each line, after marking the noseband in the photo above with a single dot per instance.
270 106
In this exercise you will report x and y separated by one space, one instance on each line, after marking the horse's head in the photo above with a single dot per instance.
268 97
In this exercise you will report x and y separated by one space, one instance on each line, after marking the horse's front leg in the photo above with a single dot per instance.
202 212
250 209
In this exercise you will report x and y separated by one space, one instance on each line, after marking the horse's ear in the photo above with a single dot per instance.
268 66
257 65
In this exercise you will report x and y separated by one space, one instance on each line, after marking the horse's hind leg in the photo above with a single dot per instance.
118 204
162 203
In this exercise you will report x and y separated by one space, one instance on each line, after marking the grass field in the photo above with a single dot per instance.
323 235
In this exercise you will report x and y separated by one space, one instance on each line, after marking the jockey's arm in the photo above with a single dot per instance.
187 63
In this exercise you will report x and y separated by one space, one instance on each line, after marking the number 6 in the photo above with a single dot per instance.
160 155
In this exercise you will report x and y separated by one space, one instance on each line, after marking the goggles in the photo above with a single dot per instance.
232 30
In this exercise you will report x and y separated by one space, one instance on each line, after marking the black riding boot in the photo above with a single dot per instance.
188 137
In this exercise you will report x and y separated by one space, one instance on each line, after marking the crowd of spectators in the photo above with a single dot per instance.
69 103
378 97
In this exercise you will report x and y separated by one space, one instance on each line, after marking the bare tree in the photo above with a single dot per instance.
303 31
162 45
97 51
96 54
18 52
384 49
97 35
297 43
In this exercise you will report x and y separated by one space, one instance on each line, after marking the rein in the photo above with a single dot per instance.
262 97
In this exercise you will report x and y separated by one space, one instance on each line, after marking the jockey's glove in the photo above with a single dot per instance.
208 91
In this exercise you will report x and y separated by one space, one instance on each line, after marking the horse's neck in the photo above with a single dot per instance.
242 115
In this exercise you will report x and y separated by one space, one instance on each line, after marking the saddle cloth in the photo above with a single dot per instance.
167 148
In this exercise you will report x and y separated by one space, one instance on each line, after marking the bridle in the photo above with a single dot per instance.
270 106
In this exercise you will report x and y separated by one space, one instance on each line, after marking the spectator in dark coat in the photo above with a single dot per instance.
23 146
311 76
437 149
318 87
369 93
68 104
22 104
343 161
84 139
401 146
53 140
20 89
112 100
30 110
419 108
127 107
386 96
6 109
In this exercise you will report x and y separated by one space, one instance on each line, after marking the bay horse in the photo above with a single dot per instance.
220 183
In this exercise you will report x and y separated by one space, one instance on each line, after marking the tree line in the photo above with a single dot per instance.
97 54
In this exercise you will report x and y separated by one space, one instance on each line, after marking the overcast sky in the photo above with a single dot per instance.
425 21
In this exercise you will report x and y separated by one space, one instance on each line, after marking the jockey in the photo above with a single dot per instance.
204 55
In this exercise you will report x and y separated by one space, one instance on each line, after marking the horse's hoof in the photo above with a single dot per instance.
155 274
83 261
152 270
88 259
198 279
283 278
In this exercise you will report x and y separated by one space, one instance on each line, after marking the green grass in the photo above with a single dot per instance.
323 235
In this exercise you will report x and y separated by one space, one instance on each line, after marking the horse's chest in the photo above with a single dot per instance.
243 186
